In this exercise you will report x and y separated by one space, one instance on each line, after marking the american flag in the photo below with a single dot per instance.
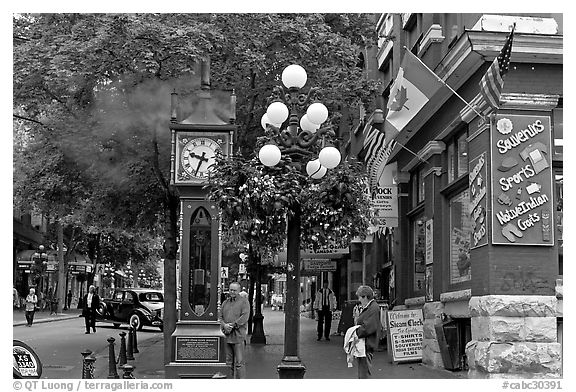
492 82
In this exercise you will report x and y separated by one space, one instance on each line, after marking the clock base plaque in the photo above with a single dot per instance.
198 351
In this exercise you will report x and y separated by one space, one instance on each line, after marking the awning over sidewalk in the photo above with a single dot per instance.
78 262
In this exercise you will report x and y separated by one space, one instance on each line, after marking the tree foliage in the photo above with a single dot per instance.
91 102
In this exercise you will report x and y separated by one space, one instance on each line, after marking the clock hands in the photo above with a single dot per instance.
201 159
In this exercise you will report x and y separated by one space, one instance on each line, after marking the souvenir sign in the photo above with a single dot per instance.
477 184
406 332
522 192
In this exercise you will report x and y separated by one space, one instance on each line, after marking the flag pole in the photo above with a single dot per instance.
407 149
450 88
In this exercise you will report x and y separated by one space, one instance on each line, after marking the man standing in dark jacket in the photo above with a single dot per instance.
91 304
233 319
369 328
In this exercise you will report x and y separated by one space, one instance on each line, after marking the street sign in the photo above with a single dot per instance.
242 268
224 273
25 363
319 265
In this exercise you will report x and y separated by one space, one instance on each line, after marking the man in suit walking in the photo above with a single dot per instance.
91 304
325 303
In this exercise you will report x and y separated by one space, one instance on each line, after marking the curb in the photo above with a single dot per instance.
46 320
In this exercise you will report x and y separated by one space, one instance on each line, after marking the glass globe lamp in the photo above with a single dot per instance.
315 169
307 125
294 76
269 155
277 112
329 157
317 113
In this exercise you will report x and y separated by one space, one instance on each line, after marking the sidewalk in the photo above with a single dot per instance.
323 359
44 316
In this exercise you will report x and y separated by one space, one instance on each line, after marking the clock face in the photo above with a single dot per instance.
198 156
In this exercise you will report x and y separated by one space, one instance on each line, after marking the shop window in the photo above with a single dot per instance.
419 253
460 229
559 182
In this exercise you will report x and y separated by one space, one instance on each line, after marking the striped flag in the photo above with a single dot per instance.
373 141
492 82
415 84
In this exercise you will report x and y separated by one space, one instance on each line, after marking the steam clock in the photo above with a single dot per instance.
197 344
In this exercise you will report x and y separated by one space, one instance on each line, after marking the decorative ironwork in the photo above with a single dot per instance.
293 140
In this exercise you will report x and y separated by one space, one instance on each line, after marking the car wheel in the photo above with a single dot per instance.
101 311
136 322
116 325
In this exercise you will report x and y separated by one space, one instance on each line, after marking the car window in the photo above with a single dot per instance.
151 297
119 296
129 298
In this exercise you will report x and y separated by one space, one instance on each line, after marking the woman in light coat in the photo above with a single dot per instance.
31 302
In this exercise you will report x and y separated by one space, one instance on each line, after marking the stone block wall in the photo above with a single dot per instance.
431 356
514 336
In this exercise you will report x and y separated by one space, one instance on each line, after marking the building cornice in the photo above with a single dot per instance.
432 36
433 147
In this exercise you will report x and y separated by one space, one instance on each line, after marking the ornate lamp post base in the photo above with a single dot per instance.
258 336
291 367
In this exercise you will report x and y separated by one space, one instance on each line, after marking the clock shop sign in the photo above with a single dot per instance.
522 191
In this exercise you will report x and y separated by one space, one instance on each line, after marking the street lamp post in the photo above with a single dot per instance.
298 140
41 262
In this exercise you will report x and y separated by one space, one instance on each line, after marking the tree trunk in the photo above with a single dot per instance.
61 295
251 300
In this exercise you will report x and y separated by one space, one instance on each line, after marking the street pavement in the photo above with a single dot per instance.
323 359
59 340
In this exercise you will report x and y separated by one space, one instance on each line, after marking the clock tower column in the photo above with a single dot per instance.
196 348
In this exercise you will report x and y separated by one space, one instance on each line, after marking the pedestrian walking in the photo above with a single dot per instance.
233 319
91 304
53 300
15 298
324 303
68 299
41 301
369 327
31 305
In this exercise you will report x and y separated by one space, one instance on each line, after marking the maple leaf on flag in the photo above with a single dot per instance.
400 100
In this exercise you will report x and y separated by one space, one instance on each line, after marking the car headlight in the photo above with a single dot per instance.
160 313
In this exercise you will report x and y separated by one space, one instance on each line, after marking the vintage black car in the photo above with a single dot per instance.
137 307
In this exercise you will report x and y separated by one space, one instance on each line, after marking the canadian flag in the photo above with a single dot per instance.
413 87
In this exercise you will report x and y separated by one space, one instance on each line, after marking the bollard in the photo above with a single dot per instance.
122 355
90 367
135 347
129 348
87 364
112 372
128 369
85 355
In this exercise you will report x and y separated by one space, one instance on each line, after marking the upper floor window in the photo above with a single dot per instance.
457 156
418 186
